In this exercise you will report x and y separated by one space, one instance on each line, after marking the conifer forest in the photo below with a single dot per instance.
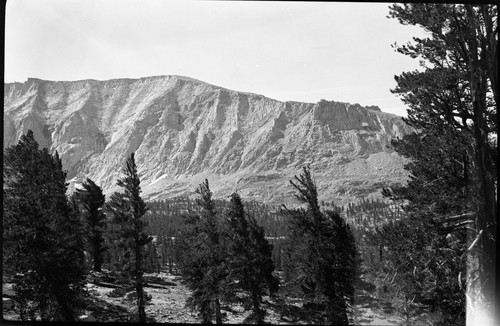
422 254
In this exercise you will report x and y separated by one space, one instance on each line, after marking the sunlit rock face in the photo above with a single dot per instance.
184 130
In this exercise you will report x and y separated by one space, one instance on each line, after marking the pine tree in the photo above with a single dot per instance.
263 256
456 95
42 234
421 266
127 210
216 271
250 257
203 261
92 199
439 187
323 248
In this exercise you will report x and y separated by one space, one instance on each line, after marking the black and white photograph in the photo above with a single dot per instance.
250 162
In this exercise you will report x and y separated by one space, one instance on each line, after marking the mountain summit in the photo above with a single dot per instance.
184 130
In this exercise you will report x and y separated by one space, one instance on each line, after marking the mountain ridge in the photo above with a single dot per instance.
183 130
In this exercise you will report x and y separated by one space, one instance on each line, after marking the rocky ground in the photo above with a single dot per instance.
110 302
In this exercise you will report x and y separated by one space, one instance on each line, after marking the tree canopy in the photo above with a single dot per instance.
203 257
127 210
452 103
92 199
323 249
42 234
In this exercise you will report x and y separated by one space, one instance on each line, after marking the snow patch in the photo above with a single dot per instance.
163 176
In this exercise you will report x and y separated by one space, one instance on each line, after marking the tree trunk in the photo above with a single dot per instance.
163 251
338 312
256 309
66 310
485 255
97 263
205 312
218 315
140 301
96 252
138 283
44 310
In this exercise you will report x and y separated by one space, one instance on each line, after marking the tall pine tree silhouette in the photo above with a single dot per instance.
456 93
203 257
92 199
250 258
324 250
127 210
41 233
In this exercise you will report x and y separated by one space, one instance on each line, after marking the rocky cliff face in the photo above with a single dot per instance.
184 130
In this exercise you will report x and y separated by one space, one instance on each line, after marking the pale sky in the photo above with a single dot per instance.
289 51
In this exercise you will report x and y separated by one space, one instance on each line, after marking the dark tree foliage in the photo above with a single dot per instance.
203 257
250 257
455 95
423 267
127 210
42 244
438 188
92 200
263 256
439 173
166 217
324 251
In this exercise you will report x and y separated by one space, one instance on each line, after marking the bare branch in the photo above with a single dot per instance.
475 241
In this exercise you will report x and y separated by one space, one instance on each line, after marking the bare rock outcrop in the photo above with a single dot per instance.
183 130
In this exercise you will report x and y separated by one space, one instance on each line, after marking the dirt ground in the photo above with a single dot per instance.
168 305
